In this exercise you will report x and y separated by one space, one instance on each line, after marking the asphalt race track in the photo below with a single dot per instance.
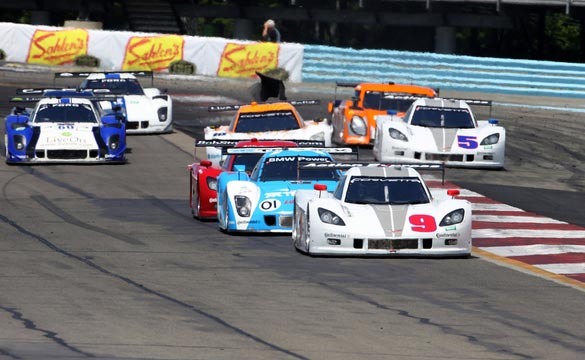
105 261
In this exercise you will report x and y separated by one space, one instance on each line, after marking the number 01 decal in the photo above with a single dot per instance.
269 205
423 223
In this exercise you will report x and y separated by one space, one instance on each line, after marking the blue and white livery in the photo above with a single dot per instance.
263 201
65 130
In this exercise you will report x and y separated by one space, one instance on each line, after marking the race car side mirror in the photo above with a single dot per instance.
453 192
205 163
320 187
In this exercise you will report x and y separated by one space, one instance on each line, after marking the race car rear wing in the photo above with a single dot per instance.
30 99
262 150
218 108
347 165
66 92
84 74
230 143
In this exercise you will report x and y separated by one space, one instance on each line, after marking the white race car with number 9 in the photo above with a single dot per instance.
440 131
381 210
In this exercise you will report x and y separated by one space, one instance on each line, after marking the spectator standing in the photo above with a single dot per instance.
270 32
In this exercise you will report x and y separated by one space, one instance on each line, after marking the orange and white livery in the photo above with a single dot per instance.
266 121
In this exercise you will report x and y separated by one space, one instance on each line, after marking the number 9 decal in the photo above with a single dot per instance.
422 223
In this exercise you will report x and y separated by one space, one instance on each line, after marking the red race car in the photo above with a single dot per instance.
203 176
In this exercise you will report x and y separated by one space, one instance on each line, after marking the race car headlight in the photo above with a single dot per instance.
397 135
490 140
358 126
114 142
162 113
243 205
212 183
318 137
19 142
452 218
329 217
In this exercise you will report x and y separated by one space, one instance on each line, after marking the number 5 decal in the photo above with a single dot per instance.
467 142
422 223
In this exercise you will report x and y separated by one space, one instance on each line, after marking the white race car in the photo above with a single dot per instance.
381 210
440 131
148 110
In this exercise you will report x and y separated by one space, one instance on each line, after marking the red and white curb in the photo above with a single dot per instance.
527 239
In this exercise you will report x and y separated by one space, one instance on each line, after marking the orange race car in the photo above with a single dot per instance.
354 121
267 121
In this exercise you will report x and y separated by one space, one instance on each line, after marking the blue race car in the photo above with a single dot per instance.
64 127
264 200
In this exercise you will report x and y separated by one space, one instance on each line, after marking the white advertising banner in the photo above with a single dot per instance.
122 50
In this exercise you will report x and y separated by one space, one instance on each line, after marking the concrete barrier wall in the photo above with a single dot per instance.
460 73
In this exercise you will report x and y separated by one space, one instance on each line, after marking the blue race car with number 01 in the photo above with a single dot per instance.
263 201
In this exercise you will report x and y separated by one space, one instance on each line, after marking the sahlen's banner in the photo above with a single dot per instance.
152 52
125 50
244 60
57 47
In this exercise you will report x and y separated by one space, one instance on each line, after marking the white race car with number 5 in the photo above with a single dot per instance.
381 210
440 131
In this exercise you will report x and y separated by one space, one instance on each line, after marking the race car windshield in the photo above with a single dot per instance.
287 168
267 121
385 191
115 86
386 101
440 117
64 113
248 160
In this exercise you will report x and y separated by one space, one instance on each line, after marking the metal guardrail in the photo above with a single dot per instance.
460 73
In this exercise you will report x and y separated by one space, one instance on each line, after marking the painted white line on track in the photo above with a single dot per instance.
540 249
201 98
527 233
516 219
494 207
565 269
469 193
